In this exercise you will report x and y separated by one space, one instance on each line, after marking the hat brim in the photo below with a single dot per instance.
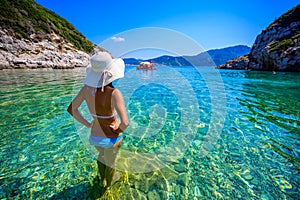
94 79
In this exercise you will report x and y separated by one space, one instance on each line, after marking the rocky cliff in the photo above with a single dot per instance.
32 36
53 52
277 48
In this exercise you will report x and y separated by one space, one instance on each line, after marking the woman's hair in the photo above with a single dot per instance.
110 85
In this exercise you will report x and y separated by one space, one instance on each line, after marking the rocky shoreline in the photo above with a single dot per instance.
277 48
41 51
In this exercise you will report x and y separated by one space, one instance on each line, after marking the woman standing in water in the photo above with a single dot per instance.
104 103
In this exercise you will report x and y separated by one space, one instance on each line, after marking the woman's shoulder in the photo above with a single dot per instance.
116 94
83 91
116 91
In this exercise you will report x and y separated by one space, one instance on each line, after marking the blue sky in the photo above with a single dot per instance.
213 23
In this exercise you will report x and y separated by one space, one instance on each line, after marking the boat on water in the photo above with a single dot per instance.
146 65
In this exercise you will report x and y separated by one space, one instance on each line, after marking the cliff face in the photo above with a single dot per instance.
277 47
52 52
32 36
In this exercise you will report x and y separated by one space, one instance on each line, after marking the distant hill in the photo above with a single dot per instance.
220 56
132 61
209 58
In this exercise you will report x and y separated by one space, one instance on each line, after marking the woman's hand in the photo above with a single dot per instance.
116 127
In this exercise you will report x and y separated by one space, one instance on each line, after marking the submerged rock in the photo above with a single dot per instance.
183 179
177 190
153 195
197 192
283 184
248 177
180 168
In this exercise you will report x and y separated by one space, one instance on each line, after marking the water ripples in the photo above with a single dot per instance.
256 157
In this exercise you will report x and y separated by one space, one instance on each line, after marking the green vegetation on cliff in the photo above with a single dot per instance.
293 15
289 40
26 17
281 45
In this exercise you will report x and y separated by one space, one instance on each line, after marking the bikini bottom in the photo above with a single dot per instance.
104 142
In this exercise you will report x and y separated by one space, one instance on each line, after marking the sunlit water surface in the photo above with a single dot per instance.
44 154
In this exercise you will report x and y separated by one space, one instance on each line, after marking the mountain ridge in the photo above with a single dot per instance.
208 58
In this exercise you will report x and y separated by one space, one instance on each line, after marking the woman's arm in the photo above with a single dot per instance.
118 103
73 109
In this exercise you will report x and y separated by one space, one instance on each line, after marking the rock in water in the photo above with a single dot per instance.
183 179
197 192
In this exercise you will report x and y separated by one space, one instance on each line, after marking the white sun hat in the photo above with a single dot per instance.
103 70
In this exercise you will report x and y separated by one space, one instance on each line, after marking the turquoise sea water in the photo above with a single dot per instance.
45 155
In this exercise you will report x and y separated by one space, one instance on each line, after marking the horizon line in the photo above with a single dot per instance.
166 54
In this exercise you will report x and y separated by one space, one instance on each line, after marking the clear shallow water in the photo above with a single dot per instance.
256 157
